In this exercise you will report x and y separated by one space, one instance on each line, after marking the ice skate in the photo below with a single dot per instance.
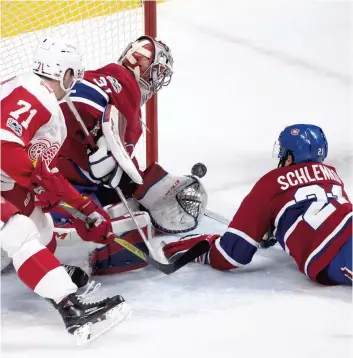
88 320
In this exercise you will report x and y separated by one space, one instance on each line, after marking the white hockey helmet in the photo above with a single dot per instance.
54 56
151 62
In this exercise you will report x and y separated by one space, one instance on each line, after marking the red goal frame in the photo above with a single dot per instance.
150 20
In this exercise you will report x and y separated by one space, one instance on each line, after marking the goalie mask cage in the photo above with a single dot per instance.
102 29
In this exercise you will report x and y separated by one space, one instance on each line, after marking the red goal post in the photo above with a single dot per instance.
101 28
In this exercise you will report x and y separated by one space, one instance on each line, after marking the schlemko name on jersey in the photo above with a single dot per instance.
302 175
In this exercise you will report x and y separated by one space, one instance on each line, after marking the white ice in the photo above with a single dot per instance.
243 70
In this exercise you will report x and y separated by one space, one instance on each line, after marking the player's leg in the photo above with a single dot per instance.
339 271
35 264
23 200
38 268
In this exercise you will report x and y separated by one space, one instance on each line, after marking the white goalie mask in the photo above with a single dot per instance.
54 56
151 62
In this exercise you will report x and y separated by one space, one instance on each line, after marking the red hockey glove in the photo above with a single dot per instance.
186 243
101 231
48 185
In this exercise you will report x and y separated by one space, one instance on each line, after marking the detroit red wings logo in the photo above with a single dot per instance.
43 147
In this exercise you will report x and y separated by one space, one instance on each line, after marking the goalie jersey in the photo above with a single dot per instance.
307 210
111 84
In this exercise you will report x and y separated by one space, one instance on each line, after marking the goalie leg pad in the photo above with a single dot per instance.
113 258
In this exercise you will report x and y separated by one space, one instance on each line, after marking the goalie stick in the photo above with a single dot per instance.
190 255
200 170
94 147
217 217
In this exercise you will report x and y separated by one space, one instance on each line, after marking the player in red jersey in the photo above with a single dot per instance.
302 203
32 131
114 94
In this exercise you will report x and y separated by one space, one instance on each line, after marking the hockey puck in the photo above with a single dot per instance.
199 170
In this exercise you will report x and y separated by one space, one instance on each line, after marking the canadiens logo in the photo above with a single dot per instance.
295 131
43 147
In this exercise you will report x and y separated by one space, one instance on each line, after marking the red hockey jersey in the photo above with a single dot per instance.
32 125
111 84
306 207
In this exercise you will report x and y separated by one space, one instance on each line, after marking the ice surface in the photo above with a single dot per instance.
243 70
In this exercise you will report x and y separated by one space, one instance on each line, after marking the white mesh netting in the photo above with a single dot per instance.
101 28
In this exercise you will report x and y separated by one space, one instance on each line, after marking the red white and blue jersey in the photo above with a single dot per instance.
111 84
306 207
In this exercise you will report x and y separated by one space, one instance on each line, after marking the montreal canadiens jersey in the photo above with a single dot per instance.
306 208
31 118
111 84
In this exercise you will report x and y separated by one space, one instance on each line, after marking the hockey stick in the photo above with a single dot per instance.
168 268
190 255
217 217
94 147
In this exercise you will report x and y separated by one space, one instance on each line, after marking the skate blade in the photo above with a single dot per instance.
91 331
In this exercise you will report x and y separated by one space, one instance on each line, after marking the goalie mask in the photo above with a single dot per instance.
151 62
176 204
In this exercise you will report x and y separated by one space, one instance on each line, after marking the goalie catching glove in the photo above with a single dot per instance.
176 204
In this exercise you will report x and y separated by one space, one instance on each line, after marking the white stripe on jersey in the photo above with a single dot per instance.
243 236
89 84
289 231
225 255
281 212
87 101
7 136
321 246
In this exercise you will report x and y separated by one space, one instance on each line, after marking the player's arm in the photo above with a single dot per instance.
237 246
22 114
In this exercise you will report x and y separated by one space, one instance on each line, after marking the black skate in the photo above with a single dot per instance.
86 321
78 276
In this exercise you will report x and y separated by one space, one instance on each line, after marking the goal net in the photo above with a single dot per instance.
102 30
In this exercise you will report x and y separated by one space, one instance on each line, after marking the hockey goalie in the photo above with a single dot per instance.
103 118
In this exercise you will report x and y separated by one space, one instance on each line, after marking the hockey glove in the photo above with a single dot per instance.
268 240
103 166
216 257
48 186
101 231
174 249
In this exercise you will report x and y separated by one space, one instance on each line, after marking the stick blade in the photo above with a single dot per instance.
199 249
